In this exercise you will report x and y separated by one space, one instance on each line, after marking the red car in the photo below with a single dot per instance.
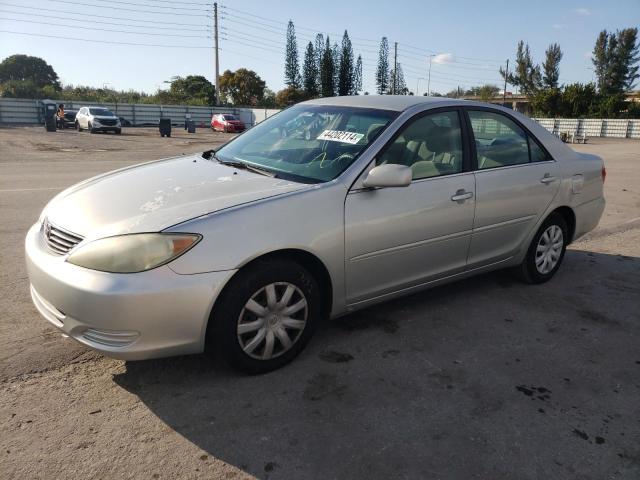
226 122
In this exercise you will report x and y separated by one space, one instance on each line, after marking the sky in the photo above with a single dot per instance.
141 44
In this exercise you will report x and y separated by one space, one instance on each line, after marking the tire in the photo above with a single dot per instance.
534 268
118 131
78 127
231 311
91 129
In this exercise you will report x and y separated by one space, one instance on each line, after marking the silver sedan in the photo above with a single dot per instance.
244 250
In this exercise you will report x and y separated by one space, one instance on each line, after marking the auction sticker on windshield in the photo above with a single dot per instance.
339 136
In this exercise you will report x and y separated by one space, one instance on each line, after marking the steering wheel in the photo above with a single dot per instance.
340 158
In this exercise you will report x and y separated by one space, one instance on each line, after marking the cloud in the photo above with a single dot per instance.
559 26
585 12
443 58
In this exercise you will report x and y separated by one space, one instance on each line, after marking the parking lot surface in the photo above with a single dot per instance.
486 378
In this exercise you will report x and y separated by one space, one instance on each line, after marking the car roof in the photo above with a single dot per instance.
384 102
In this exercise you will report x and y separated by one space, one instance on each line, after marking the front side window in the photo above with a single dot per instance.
308 143
499 141
430 145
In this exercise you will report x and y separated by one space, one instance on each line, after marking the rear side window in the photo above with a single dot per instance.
537 153
499 141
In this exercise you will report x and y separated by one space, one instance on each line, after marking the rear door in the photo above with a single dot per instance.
396 238
516 180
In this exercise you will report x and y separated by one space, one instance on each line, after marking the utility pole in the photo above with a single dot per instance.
215 44
429 80
395 67
504 92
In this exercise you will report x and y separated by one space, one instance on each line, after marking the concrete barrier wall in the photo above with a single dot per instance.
28 111
593 127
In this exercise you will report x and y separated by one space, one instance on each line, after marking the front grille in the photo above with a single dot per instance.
58 240
109 123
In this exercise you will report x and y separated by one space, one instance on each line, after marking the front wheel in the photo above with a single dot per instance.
546 251
266 316
78 127
90 127
118 131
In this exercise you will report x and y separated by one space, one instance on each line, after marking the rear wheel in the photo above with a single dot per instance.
266 316
546 251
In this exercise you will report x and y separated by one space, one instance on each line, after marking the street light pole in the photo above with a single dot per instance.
418 85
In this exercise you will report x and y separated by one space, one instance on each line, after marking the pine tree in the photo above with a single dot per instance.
326 71
357 77
335 55
382 72
346 71
600 60
551 66
615 58
400 83
526 75
628 57
318 50
309 72
291 63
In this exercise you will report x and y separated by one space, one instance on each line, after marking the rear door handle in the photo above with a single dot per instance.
461 196
547 179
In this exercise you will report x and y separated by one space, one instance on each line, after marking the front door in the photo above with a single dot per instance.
396 238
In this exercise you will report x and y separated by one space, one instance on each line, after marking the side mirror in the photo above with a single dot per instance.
388 175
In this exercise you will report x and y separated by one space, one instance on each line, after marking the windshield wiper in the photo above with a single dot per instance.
211 154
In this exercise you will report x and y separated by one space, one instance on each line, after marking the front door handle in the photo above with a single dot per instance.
461 196
547 179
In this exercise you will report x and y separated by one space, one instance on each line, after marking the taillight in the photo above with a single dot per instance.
604 173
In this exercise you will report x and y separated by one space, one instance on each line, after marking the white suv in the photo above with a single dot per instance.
97 119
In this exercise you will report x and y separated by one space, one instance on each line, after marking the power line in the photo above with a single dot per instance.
190 9
129 9
109 29
89 21
315 30
103 41
104 16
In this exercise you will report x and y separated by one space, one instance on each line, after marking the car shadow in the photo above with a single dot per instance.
484 378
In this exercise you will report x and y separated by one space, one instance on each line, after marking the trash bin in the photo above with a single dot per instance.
191 126
165 127
50 109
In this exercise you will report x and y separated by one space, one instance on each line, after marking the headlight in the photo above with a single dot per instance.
133 253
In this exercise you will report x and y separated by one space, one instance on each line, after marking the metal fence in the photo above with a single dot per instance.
28 111
593 127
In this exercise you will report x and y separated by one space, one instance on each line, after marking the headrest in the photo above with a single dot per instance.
440 139
372 131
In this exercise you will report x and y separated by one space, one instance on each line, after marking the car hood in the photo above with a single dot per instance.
156 195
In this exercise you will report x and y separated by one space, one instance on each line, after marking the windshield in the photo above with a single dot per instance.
229 117
308 143
101 111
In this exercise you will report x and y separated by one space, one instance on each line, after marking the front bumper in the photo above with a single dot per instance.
105 128
136 316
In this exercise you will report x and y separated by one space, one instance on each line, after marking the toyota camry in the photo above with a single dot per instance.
244 250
